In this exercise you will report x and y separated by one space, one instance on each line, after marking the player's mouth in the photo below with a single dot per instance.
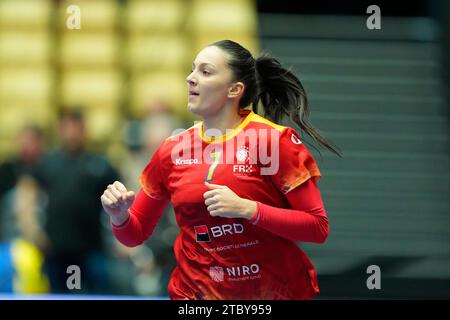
193 93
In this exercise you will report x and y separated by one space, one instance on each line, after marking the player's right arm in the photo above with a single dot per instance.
116 200
133 218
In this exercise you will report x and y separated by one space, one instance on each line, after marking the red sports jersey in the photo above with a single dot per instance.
224 258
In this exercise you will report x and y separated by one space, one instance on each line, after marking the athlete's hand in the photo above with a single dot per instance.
116 200
221 201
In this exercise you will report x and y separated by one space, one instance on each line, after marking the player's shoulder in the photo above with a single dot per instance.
283 133
259 122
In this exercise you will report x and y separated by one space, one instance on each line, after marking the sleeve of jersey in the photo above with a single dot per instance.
145 213
307 220
152 178
295 163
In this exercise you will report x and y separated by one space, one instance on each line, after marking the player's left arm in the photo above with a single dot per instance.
296 178
306 221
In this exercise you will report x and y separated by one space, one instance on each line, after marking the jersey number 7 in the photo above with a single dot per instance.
216 156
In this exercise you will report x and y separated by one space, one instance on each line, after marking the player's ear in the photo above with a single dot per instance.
236 90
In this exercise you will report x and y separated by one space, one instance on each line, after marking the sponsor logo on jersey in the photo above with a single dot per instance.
202 234
239 271
226 229
243 169
216 273
235 273
180 161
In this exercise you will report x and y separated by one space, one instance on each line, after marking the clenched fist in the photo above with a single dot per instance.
116 200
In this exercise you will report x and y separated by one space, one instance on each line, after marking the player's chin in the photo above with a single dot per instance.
194 108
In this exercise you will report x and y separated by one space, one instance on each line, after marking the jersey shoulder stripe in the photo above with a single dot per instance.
259 119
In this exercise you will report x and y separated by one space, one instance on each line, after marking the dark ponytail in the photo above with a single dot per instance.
280 92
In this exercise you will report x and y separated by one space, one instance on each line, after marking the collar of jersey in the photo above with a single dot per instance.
248 114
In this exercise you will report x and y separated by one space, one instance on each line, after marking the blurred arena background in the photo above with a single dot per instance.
381 95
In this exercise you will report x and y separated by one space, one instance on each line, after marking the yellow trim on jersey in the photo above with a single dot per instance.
258 118
251 117
313 174
230 134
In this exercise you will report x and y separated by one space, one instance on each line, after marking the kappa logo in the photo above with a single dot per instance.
295 140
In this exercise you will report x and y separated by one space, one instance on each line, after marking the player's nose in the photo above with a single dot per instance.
190 79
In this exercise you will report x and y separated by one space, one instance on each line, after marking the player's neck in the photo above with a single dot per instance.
228 119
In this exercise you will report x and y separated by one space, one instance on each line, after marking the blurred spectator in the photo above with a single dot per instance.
74 180
16 179
143 137
21 236
30 151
